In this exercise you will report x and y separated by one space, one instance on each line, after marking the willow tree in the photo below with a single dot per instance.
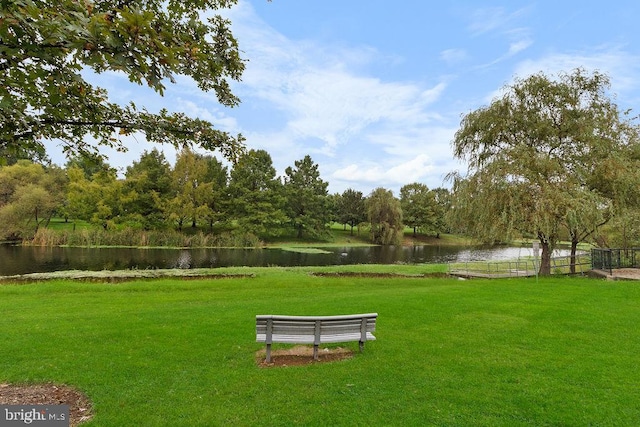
385 215
535 159
47 46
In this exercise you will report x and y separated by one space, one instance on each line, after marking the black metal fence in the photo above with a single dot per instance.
610 259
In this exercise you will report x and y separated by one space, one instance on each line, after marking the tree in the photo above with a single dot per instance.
218 176
351 208
11 156
46 45
306 198
88 163
98 198
22 173
624 230
21 218
533 160
190 188
442 198
30 196
385 215
80 198
147 188
619 176
418 207
105 189
255 195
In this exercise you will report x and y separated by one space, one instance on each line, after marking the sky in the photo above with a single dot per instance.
375 90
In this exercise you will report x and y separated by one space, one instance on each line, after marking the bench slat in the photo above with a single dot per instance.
310 329
323 318
309 339
311 322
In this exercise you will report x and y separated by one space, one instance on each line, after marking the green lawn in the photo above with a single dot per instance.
59 224
563 351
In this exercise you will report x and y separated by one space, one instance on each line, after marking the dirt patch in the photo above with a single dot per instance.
301 355
80 409
118 276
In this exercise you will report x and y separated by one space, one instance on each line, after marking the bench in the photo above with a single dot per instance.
314 330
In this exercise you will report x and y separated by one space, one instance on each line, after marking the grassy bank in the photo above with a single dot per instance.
449 352
82 234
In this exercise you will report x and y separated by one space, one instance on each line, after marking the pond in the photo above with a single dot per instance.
29 259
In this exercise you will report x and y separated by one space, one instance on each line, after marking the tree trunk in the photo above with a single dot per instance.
545 259
574 250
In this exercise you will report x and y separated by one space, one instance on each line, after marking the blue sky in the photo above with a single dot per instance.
374 90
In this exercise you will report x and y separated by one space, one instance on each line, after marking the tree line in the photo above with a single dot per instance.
551 160
199 192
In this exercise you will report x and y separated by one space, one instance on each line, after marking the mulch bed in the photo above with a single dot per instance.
117 276
80 409
301 355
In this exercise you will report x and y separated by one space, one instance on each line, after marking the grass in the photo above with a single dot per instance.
60 224
449 352
339 236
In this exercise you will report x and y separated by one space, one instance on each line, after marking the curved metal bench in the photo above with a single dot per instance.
314 330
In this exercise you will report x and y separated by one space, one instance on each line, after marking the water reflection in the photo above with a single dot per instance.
23 260
497 254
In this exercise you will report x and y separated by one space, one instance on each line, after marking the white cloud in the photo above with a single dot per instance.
220 120
413 170
325 101
622 66
519 46
454 56
485 20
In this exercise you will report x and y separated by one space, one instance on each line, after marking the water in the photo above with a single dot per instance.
26 259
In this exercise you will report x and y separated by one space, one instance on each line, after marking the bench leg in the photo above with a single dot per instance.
315 352
268 353
361 346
